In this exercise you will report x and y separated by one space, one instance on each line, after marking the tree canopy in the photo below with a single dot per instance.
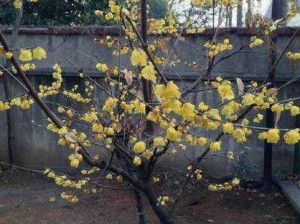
68 12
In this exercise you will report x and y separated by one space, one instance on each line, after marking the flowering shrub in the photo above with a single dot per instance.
149 116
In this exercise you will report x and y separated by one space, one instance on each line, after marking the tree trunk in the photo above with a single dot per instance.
159 211
139 206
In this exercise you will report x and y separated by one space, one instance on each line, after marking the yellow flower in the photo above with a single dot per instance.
74 163
228 128
101 67
172 105
62 131
109 16
235 182
25 55
153 115
51 175
258 118
295 110
202 141
110 104
97 128
239 135
262 136
138 58
8 55
292 137
137 161
148 154
215 146
202 107
212 187
273 136
139 107
119 178
148 73
17 4
109 176
139 147
90 117
98 13
173 135
169 92
225 92
4 106
256 42
187 112
248 99
39 53
159 142
277 108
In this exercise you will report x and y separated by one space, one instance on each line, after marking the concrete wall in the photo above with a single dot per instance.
35 146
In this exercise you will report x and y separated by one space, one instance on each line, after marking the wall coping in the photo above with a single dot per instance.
114 31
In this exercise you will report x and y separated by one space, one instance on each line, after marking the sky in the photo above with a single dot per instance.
264 8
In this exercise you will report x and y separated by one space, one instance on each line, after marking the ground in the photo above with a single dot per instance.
24 199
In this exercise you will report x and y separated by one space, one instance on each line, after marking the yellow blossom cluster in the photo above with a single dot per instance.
209 3
91 171
101 67
225 186
271 136
110 104
225 90
163 26
76 96
163 200
69 198
64 181
114 11
4 106
149 73
22 102
293 56
197 174
138 58
215 49
55 86
195 30
90 116
27 67
255 41
75 159
38 53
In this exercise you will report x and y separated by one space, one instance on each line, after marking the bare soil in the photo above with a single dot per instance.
24 199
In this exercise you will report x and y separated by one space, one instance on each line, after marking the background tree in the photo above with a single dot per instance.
69 12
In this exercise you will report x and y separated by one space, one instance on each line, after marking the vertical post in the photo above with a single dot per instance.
297 151
277 12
